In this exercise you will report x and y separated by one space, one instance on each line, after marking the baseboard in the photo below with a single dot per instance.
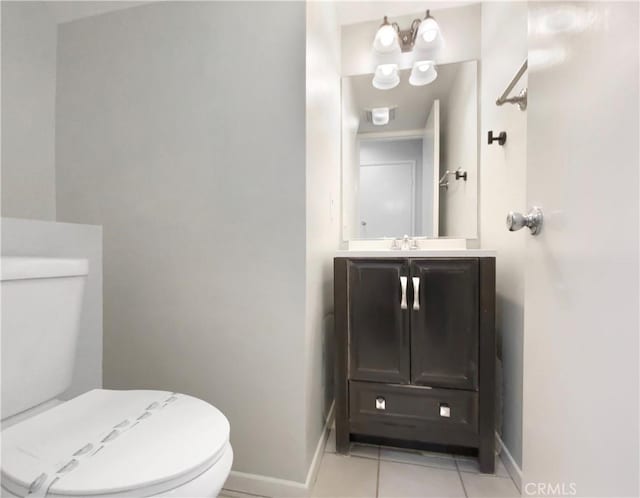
312 473
260 485
510 464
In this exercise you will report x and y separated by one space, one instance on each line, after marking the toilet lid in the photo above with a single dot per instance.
106 442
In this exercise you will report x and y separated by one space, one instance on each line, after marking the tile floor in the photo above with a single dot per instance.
382 472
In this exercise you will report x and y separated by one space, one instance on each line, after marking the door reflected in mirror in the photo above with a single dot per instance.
401 151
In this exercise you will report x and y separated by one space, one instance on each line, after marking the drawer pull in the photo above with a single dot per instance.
381 403
416 293
403 300
445 411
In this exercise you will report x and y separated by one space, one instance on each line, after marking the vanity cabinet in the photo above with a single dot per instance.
415 360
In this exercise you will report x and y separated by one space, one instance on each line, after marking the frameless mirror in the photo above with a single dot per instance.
410 156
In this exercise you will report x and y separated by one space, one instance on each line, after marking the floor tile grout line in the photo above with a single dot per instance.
241 493
464 489
420 465
350 455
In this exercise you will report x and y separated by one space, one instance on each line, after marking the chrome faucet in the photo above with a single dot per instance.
405 242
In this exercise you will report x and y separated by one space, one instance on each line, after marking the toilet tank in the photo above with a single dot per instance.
41 306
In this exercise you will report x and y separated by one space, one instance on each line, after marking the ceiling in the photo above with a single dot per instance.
413 102
356 11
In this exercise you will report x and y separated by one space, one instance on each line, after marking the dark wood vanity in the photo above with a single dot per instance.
415 361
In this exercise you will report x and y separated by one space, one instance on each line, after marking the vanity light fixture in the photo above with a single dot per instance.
422 33
423 73
390 41
386 77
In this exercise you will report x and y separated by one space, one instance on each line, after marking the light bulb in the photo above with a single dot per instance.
428 33
386 35
386 40
430 29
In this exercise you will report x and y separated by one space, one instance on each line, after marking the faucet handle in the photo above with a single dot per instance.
414 245
395 246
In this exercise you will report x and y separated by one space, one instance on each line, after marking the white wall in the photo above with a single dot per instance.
357 39
502 189
68 240
459 149
196 169
322 209
28 106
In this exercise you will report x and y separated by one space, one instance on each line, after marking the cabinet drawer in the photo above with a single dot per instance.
445 416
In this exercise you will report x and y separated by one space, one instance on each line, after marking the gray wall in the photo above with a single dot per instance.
28 98
181 129
67 240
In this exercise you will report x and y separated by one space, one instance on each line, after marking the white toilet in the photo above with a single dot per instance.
103 443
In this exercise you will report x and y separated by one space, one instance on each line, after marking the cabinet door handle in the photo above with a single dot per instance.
403 300
416 293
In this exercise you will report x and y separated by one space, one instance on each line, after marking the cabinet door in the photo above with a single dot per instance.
444 323
378 321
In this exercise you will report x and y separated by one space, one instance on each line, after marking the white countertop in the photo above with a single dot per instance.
418 253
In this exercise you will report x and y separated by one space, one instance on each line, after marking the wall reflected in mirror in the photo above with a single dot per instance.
410 156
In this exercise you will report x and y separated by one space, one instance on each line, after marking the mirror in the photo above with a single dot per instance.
410 156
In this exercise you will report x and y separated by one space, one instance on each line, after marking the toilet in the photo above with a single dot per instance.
104 442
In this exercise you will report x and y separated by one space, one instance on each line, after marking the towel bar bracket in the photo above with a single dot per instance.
520 100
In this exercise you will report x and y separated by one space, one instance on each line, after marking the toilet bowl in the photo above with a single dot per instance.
103 443
119 443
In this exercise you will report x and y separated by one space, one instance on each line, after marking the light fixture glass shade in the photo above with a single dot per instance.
423 73
386 77
380 116
386 41
428 32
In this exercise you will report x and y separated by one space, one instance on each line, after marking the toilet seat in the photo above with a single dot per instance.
116 443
